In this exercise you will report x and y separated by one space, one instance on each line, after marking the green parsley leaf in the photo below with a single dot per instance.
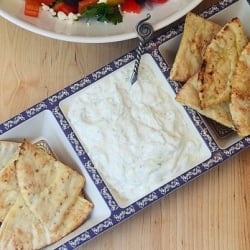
103 13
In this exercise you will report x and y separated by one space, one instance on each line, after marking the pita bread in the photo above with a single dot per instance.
240 96
197 34
76 215
189 96
220 60
8 183
22 230
8 152
48 187
42 186
8 189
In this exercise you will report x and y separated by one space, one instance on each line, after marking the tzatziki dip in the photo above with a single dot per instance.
137 136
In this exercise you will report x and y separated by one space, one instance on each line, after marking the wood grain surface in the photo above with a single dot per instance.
210 213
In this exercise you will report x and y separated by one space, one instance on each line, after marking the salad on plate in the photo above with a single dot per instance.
110 11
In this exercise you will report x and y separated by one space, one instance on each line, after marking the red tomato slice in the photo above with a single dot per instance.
85 3
47 2
31 8
131 6
65 8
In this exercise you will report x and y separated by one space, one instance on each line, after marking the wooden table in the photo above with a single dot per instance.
210 213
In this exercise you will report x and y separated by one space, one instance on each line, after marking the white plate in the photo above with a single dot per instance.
161 16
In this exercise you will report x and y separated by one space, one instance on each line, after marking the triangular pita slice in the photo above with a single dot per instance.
48 187
8 152
22 230
8 183
197 34
240 96
76 215
8 189
189 95
220 60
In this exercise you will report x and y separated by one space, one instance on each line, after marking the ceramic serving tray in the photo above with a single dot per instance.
48 120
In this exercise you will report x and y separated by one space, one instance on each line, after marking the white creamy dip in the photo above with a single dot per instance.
137 136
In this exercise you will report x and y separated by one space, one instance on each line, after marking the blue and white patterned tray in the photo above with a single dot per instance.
46 120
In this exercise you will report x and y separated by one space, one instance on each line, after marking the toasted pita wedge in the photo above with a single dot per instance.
189 95
22 230
240 96
220 60
197 34
76 215
48 187
8 189
8 183
8 152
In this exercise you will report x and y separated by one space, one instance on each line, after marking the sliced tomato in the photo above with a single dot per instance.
131 6
82 4
47 2
65 8
31 8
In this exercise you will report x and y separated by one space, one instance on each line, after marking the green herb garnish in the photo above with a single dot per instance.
103 13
